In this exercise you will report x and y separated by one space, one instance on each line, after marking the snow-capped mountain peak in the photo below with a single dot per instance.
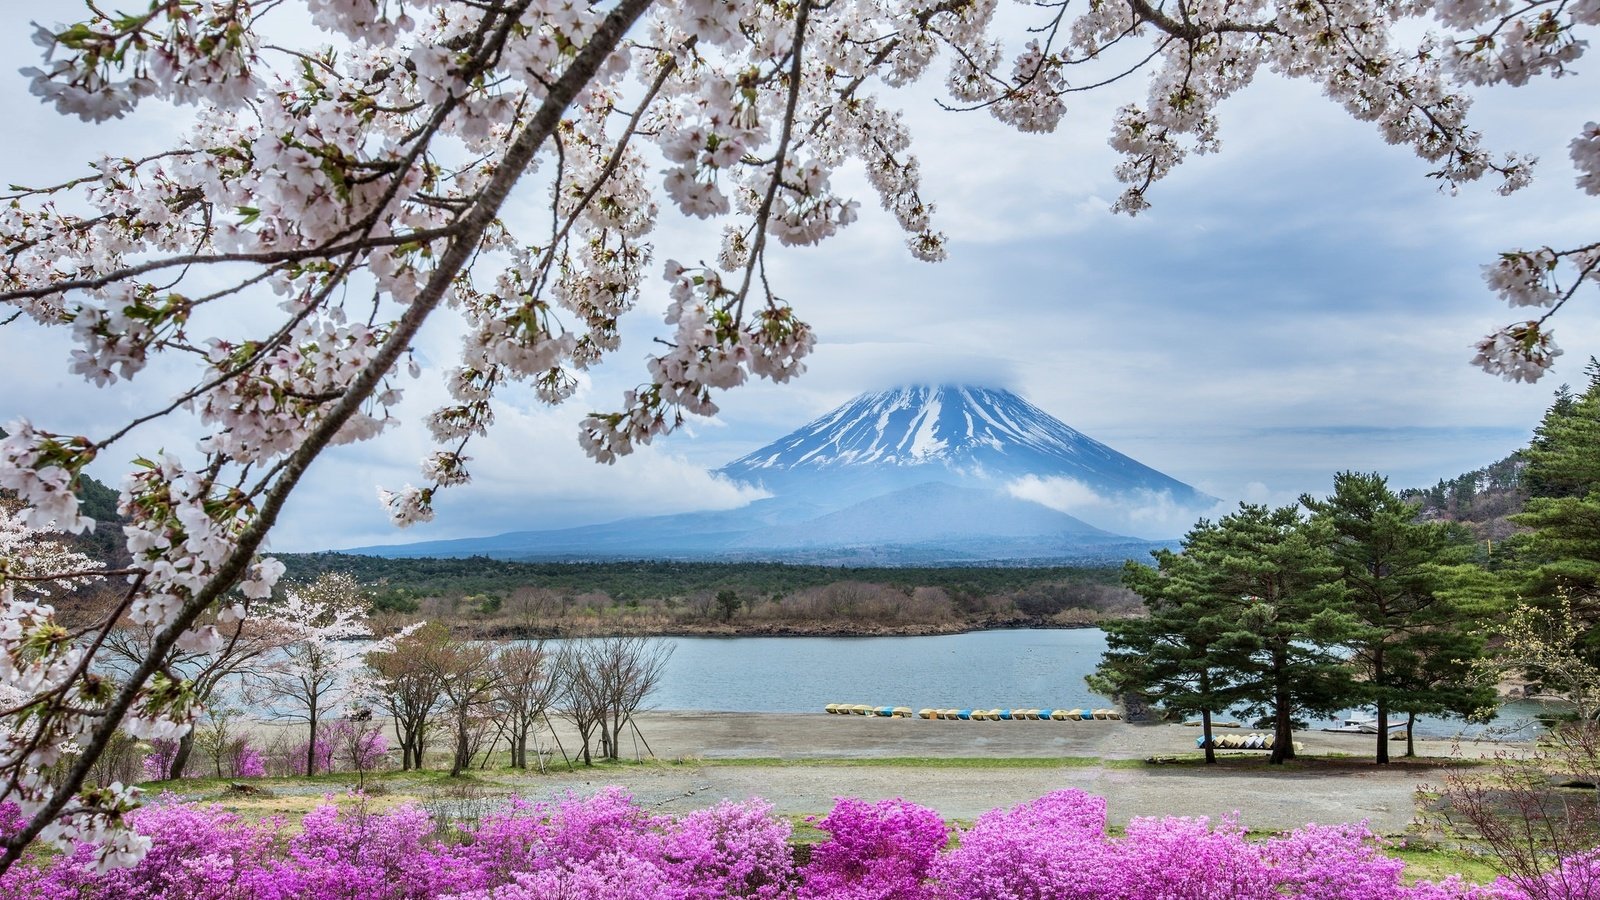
976 437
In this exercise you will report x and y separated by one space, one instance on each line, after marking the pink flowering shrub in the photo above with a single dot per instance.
875 851
731 850
1181 857
294 761
247 763
1051 847
606 848
158 762
1577 876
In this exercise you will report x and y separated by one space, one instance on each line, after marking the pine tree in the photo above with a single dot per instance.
1391 575
1562 552
1176 655
1268 575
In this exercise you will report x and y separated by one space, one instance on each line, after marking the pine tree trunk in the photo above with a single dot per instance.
1383 732
1282 725
1383 707
1205 728
1411 729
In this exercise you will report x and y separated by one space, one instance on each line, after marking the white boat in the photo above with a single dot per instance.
1365 726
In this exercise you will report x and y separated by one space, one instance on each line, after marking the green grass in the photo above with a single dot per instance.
1436 864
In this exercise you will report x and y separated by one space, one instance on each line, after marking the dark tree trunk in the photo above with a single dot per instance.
1383 707
1205 728
180 759
1282 725
311 745
1411 729
460 762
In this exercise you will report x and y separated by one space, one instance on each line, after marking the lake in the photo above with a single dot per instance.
1025 668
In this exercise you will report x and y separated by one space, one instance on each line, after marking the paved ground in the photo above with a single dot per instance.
1264 799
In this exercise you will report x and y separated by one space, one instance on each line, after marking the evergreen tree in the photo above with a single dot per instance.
1391 575
1561 554
1431 674
1178 654
1269 574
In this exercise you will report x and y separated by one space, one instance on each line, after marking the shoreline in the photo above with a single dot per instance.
732 630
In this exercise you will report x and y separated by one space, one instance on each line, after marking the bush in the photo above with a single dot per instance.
607 848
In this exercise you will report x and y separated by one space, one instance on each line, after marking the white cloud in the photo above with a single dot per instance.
1149 514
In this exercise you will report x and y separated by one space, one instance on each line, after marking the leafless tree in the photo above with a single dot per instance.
528 685
1532 811
605 681
244 656
582 698
469 681
406 686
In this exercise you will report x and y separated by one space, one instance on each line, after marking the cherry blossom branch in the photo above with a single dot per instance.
759 245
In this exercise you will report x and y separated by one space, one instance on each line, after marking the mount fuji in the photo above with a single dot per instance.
973 437
914 475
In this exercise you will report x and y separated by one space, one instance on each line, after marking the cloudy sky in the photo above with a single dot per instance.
1301 303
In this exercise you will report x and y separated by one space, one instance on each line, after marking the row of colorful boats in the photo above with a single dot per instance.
974 715
1241 742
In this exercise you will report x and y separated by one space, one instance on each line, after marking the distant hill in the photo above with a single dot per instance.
1483 499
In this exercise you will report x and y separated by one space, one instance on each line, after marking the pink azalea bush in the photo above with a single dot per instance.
157 763
333 752
240 760
606 848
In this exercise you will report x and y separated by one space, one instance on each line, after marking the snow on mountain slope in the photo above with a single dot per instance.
973 437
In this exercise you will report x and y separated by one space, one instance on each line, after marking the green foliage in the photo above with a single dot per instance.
1561 553
1562 461
1395 583
728 603
1249 614
1177 655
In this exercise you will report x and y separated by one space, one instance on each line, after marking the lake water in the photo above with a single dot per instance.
1026 668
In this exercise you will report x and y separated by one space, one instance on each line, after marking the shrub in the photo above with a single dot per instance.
606 848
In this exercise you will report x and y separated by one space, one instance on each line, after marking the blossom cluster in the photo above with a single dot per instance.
605 848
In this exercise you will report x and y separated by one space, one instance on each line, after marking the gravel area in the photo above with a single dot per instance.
1383 796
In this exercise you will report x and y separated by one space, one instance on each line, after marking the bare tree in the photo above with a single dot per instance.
605 681
406 686
528 685
244 656
358 743
470 681
582 698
